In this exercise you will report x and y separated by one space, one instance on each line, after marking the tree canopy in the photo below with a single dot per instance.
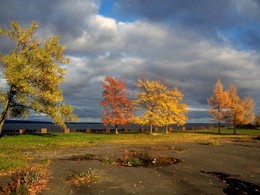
227 106
160 105
172 110
218 103
117 107
240 111
33 74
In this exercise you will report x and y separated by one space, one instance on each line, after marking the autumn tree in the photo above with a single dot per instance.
248 105
117 107
160 105
218 103
149 94
239 111
172 110
257 120
33 76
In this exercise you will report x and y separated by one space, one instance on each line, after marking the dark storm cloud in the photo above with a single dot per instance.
179 11
59 17
184 43
208 17
199 115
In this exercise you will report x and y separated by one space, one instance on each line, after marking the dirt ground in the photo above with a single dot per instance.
197 172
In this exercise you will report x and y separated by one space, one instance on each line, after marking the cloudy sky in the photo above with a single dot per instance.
184 42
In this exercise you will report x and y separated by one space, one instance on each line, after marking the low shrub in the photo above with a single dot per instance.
27 181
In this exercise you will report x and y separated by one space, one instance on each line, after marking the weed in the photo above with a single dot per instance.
89 176
144 159
107 160
135 162
27 181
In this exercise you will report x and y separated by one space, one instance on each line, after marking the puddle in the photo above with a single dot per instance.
141 159
81 157
129 158
235 186
256 138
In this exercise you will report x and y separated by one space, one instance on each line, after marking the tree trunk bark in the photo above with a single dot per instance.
116 129
1 127
4 115
219 126
151 129
6 108
166 129
234 127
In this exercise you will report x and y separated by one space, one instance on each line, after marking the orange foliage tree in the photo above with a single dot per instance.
239 111
257 120
249 106
117 107
226 105
218 103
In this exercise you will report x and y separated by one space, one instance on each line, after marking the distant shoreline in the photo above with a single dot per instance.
81 126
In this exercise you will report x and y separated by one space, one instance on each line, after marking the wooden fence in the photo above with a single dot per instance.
104 130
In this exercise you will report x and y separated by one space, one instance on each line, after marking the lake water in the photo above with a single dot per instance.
14 125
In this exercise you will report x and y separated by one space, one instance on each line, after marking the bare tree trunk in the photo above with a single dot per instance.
234 127
116 129
219 126
166 129
151 129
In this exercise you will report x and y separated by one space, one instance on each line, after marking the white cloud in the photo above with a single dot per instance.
100 46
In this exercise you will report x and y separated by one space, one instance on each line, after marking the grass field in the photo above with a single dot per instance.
17 152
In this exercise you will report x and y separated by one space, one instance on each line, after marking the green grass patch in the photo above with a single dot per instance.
23 150
229 131
19 151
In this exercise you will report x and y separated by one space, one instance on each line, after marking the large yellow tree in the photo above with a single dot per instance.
160 106
33 74
149 94
172 110
218 103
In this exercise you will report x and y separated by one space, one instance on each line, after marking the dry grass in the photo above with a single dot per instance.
89 176
26 181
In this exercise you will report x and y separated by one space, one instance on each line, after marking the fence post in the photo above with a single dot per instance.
44 130
142 129
170 129
21 131
66 130
107 130
126 130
